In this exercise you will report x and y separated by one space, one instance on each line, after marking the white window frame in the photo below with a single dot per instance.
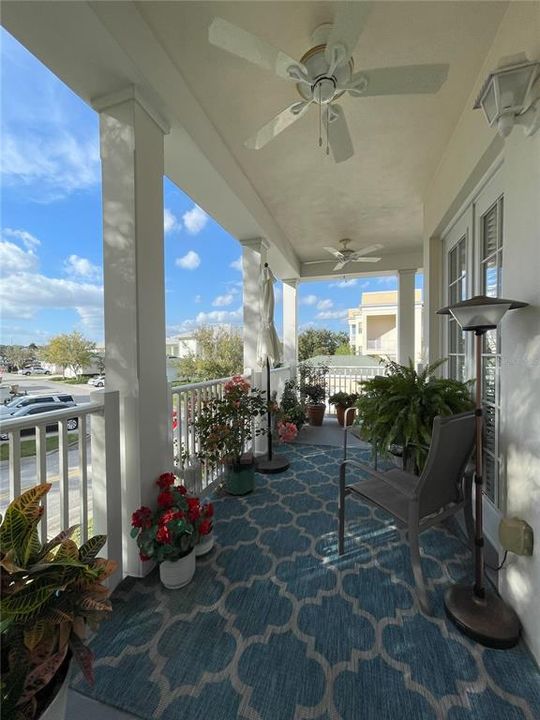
468 223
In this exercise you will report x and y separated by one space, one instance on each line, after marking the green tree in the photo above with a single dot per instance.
18 355
69 350
344 349
320 342
220 353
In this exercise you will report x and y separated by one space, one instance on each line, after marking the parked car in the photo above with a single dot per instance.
97 381
34 370
24 400
37 409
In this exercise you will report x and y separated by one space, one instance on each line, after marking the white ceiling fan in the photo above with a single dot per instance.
345 255
324 74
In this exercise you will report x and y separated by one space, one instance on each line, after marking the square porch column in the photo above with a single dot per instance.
254 254
132 157
290 324
405 316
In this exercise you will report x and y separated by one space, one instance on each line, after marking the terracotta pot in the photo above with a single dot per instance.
205 544
315 414
240 479
177 573
340 411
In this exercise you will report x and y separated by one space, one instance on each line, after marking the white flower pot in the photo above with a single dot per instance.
205 544
57 709
177 573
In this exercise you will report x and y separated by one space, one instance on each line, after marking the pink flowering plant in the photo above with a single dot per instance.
287 431
171 530
225 425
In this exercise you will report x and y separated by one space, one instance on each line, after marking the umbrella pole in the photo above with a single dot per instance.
269 409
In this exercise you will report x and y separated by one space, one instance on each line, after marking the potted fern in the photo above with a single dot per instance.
51 592
398 409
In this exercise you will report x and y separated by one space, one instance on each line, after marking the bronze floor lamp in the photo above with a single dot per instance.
478 612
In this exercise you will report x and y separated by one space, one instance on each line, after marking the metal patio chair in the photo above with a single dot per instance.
418 502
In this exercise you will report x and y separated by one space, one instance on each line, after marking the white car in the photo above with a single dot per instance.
97 381
34 370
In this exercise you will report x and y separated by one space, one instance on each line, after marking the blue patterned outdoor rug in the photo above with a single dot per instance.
275 626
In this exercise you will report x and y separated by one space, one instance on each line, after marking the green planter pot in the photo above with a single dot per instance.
240 479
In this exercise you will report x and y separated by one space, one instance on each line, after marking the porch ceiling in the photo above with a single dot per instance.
377 195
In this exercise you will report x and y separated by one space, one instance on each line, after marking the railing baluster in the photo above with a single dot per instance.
83 479
63 472
41 474
14 464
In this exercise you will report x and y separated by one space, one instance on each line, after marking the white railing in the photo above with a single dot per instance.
345 378
84 469
381 344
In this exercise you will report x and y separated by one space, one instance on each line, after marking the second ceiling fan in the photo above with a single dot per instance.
324 74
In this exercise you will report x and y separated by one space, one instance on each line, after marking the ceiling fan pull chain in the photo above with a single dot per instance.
327 129
320 118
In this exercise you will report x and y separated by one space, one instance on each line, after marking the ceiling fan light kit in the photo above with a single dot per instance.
324 74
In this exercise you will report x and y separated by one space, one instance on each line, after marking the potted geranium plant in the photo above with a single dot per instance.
343 401
290 409
313 391
51 592
167 534
225 426
204 527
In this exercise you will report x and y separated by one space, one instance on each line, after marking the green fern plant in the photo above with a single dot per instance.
50 593
398 408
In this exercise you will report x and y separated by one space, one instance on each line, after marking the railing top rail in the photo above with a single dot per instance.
29 421
200 385
358 368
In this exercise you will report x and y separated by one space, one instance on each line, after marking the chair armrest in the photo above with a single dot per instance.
382 477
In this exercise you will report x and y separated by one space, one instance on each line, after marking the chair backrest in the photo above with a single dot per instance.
452 442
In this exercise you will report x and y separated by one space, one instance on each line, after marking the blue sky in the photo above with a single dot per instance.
51 244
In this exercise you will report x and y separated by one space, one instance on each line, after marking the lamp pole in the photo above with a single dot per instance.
481 614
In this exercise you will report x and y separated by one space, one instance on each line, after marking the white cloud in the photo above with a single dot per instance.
195 220
219 316
325 304
56 165
29 241
223 300
309 300
170 221
237 264
197 299
332 315
345 283
14 259
190 261
82 267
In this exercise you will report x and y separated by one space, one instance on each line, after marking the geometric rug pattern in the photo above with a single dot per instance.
276 626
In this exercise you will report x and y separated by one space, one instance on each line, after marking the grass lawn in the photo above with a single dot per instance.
28 447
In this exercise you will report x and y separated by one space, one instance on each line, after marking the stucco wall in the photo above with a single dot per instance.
470 151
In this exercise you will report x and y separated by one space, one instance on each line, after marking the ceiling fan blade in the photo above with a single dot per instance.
241 43
405 80
279 123
339 137
349 22
333 251
341 265
366 259
367 250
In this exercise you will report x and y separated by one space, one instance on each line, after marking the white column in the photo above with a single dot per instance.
253 257
405 316
290 324
132 170
433 300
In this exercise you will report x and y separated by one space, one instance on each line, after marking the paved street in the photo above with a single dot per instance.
81 393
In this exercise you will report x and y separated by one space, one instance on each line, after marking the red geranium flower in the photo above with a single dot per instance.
181 489
205 526
163 535
144 557
142 517
165 498
166 480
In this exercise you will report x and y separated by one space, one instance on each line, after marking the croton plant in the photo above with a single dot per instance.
50 592
171 530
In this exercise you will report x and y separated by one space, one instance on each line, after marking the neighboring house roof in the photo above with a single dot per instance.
346 360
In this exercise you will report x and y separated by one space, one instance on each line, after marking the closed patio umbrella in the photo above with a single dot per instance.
268 352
